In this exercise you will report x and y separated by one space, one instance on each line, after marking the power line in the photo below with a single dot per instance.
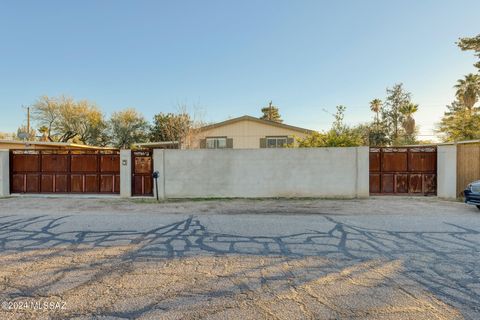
420 106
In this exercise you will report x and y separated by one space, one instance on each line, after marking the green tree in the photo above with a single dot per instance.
43 130
471 44
340 135
271 113
468 90
408 123
397 97
462 119
127 127
376 107
170 127
81 122
313 140
377 136
460 123
363 130
377 131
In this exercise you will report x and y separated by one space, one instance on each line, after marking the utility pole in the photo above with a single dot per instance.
21 134
28 120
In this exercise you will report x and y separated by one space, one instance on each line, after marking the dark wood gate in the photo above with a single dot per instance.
72 171
399 170
142 168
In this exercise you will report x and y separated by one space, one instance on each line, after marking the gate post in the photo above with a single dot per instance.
363 173
4 173
447 171
125 173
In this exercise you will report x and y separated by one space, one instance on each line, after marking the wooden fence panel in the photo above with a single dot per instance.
468 165
65 171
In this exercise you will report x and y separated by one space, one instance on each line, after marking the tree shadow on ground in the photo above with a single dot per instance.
444 263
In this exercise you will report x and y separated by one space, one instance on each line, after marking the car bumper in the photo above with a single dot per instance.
472 198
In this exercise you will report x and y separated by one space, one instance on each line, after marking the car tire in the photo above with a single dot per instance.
478 206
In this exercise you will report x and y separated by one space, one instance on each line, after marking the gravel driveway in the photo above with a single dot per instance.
377 258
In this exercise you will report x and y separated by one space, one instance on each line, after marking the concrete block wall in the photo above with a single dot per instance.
312 172
447 171
4 173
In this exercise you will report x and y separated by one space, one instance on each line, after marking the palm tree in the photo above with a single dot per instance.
468 90
376 106
408 124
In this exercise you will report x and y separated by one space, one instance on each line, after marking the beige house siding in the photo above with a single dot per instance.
246 134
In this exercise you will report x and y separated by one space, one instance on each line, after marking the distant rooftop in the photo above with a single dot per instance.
12 144
263 121
158 145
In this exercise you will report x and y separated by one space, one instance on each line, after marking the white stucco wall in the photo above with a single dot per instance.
447 171
312 172
125 173
4 173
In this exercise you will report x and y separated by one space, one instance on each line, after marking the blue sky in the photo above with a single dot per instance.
229 58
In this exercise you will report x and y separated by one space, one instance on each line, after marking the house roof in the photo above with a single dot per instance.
262 121
159 144
53 144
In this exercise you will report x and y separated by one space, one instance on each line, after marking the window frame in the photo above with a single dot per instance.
215 143
276 141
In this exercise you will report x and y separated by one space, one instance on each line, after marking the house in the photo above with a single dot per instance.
42 145
246 132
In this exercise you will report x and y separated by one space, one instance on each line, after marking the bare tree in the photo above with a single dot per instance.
67 120
127 127
197 120
45 112
181 127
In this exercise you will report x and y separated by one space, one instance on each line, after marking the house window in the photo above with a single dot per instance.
276 142
216 143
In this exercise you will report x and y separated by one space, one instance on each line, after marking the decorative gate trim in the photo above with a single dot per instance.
65 171
403 170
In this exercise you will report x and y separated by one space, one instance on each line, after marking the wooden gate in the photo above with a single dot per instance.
142 168
399 170
468 164
72 171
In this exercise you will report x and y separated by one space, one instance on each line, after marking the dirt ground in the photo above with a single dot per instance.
381 258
